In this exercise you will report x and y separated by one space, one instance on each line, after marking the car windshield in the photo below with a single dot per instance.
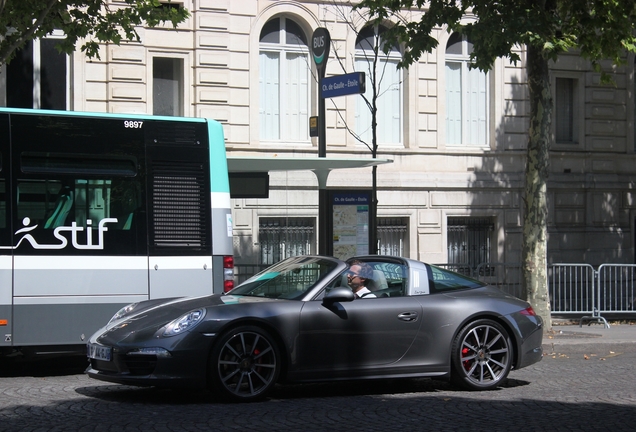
289 279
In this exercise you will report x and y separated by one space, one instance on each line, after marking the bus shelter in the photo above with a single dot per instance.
245 170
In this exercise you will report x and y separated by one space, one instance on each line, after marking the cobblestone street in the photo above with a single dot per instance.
580 385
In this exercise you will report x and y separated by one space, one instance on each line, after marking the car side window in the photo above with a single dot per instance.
446 280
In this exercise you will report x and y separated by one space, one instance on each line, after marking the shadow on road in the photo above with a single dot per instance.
11 367
153 395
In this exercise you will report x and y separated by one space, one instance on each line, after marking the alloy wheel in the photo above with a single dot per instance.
247 364
483 355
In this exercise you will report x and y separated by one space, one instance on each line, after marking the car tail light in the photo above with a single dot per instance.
528 311
228 273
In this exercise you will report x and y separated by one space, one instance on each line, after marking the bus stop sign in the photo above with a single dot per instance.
320 45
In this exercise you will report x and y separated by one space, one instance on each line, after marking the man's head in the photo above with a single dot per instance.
359 275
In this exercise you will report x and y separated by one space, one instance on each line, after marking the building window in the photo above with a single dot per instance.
167 86
392 236
466 96
469 242
282 238
284 82
37 77
388 81
565 110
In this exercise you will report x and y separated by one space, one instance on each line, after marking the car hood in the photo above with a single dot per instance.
148 318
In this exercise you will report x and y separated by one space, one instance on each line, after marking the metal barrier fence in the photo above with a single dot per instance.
616 288
576 290
571 288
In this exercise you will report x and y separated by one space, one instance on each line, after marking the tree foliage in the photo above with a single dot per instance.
89 22
597 29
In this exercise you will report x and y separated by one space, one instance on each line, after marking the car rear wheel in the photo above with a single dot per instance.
245 363
482 355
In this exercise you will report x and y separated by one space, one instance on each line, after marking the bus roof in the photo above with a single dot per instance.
134 116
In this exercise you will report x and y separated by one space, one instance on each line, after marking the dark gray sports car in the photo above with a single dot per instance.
299 320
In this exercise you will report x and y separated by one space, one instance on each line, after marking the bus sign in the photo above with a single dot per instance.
321 43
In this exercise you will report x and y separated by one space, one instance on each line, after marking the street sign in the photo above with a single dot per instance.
342 85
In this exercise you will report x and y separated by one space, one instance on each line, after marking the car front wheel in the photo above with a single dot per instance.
482 355
245 363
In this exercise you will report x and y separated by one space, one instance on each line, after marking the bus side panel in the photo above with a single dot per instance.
66 300
222 236
172 276
6 260
63 320
219 192
79 224
180 236
5 301
82 276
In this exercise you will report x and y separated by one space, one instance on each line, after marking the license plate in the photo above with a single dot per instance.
99 352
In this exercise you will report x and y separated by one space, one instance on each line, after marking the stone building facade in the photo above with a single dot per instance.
456 136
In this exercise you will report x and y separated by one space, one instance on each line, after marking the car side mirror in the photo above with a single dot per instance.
338 295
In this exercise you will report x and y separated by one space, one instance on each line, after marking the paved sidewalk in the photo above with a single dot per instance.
593 333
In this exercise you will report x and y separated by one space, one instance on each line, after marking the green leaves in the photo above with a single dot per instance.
598 29
90 22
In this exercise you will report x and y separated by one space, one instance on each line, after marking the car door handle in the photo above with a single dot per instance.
408 316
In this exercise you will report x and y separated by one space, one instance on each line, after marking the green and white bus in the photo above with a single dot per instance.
98 211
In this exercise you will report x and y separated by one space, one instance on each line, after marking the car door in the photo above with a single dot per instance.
365 333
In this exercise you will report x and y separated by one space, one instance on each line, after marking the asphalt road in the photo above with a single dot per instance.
585 382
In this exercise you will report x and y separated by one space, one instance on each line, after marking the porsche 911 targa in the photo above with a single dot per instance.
300 321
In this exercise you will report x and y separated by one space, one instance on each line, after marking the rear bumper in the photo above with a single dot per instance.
531 350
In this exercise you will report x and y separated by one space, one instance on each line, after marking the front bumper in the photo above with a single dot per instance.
182 369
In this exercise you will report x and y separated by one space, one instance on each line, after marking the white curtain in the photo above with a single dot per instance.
466 105
269 81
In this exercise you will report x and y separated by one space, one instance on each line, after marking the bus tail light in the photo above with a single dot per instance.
4 322
228 273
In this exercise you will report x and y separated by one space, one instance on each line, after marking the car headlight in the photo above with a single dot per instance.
184 323
123 312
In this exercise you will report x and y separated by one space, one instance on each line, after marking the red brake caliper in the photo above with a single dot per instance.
466 363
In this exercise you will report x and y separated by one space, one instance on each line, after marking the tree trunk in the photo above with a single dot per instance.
534 245
373 212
